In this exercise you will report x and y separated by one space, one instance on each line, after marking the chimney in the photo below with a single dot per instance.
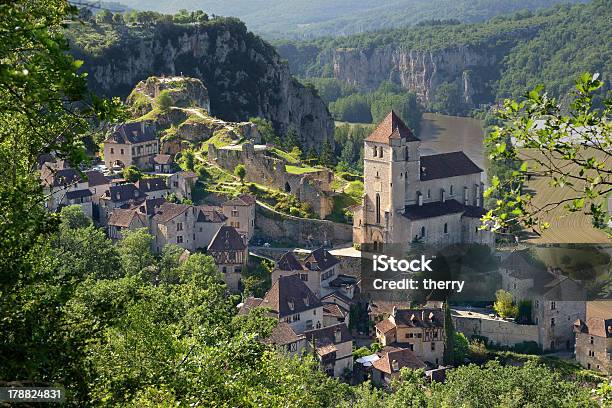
443 195
394 365
420 198
337 335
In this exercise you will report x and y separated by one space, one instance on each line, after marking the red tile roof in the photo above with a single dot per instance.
391 127
403 358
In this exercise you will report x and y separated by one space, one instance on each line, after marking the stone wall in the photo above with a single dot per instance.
497 331
305 232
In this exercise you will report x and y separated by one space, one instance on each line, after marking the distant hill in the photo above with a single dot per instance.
316 18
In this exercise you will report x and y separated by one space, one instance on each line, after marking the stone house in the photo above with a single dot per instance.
134 143
333 347
317 270
594 342
420 330
292 302
285 339
389 363
182 184
155 187
118 196
58 180
125 219
334 314
435 199
240 213
190 227
231 255
163 163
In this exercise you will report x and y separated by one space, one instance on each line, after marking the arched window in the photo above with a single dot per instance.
380 152
406 153
445 228
375 151
451 190
378 208
423 231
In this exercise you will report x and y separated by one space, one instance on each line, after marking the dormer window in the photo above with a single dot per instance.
306 302
291 304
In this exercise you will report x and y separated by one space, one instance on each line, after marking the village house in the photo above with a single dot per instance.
333 347
163 163
334 314
240 213
317 270
389 363
125 219
64 186
154 187
118 196
434 199
285 339
594 338
129 144
557 301
420 330
231 255
182 183
292 302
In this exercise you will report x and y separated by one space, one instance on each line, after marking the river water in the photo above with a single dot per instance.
443 134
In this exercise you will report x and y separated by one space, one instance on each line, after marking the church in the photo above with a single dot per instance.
434 199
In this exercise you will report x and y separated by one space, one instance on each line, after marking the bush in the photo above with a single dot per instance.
164 101
132 174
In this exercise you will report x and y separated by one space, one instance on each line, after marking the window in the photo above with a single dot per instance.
553 305
122 151
308 324
179 226
591 339
224 269
423 231
445 228
112 151
375 151
405 153
552 321
179 239
234 213
591 353
451 189
428 193
537 303
293 347
409 335
296 317
380 151
304 277
433 346
378 208
175 183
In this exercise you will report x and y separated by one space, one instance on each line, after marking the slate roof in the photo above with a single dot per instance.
148 206
249 304
227 239
60 177
433 209
290 295
282 335
162 159
326 335
519 267
473 212
288 262
320 260
420 317
152 184
168 211
132 133
96 178
332 309
123 217
391 127
124 192
403 356
210 214
446 165
241 200
74 194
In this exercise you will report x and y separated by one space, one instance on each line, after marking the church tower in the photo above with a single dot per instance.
391 162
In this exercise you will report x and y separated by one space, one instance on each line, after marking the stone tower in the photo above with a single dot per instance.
391 167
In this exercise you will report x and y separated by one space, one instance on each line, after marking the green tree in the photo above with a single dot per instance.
240 172
73 217
504 304
327 154
570 150
461 348
104 16
266 129
136 251
187 159
449 336
132 174
163 101
292 139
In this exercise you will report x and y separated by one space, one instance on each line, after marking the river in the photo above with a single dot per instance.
443 134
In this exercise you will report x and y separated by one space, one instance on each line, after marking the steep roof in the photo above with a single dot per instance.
288 262
391 127
123 217
282 335
148 206
124 192
402 356
162 159
433 209
74 194
333 310
227 239
168 211
600 327
327 335
519 267
385 326
96 178
60 177
320 260
446 165
132 133
152 184
208 213
241 200
290 295
419 317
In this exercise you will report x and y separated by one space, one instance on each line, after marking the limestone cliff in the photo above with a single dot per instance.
244 75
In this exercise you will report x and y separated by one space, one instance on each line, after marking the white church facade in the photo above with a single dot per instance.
434 199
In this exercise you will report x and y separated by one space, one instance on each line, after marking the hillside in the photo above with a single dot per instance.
244 75
316 18
456 67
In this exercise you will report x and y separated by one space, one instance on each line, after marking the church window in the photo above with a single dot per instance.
378 208
380 151
423 232
451 190
405 153
428 193
446 228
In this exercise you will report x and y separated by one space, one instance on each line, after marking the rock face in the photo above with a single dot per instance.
244 76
